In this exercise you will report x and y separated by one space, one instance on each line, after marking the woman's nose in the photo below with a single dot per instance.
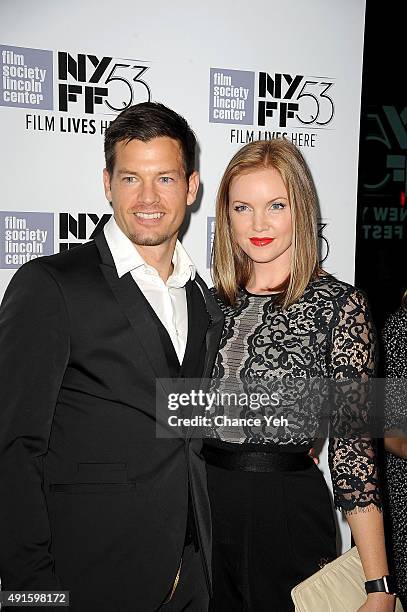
260 223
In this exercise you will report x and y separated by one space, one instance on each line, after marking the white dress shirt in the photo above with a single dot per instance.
167 299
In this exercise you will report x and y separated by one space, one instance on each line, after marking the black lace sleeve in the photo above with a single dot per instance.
352 460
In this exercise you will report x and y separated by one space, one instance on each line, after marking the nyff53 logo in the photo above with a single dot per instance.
286 100
305 99
91 84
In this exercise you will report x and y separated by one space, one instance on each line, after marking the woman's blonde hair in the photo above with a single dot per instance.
232 268
404 300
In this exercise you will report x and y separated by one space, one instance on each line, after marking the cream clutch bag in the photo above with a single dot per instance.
338 587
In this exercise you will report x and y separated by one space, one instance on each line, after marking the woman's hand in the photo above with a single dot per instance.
379 602
313 456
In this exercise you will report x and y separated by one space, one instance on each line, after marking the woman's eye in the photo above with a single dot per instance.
240 207
277 206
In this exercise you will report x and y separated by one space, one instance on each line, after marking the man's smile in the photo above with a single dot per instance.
151 215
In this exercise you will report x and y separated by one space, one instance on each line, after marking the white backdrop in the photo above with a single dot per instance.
64 63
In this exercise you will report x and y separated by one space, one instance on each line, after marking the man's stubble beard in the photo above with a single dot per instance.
139 239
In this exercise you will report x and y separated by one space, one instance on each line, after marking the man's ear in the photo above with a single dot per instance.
106 184
193 186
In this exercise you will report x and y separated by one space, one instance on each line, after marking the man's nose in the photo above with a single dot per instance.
148 193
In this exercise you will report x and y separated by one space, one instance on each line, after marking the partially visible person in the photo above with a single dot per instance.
285 318
92 501
395 442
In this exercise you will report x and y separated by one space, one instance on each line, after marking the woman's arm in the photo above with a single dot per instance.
352 455
368 534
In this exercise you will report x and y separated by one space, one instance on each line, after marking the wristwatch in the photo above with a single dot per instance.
385 584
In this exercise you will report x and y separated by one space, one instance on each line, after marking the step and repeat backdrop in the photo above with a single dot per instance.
237 71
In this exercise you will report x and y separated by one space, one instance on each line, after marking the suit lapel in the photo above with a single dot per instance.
213 336
198 323
132 302
214 332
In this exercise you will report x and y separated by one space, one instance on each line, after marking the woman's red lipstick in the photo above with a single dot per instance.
260 242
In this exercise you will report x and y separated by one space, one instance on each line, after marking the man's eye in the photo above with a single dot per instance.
129 179
166 179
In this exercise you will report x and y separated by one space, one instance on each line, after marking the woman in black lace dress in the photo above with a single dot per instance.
285 320
395 353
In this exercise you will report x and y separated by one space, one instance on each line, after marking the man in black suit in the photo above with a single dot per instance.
92 501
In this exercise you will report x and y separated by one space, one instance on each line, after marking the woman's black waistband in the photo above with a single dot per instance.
254 457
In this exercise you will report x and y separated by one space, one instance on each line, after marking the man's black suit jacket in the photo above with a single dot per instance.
91 501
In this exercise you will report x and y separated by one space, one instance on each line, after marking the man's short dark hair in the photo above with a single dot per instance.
146 121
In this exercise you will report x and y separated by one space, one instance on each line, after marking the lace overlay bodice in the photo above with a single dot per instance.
328 333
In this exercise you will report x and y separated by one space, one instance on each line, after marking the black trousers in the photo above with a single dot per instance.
270 531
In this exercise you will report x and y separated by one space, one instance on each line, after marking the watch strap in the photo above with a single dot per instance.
386 584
